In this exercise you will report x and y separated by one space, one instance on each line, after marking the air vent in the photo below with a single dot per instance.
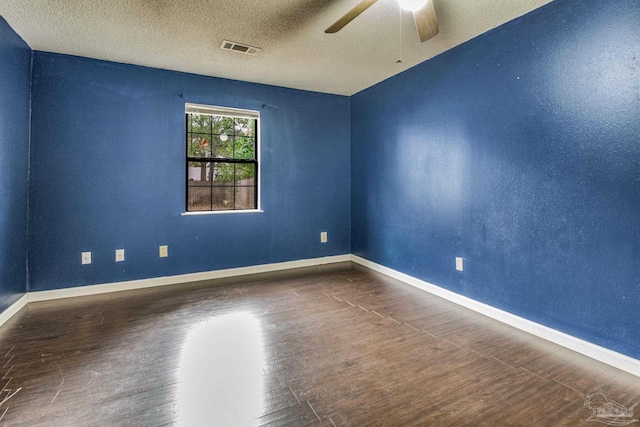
239 47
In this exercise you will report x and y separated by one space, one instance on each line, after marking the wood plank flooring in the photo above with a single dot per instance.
337 345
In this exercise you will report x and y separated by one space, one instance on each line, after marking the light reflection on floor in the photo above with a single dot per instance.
221 372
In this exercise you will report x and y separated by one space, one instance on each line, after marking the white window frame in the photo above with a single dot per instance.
212 110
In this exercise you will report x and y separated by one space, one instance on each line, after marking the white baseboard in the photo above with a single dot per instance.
13 309
182 278
601 354
610 357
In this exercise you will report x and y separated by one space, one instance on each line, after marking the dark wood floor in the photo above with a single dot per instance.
328 346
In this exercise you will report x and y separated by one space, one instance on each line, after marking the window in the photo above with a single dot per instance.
222 158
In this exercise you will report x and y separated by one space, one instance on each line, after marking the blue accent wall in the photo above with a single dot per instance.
108 172
519 151
15 82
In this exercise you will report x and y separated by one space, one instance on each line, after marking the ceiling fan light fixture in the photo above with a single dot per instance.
424 16
412 5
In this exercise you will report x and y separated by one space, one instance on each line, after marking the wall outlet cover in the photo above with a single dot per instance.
459 264
163 251
323 237
119 255
86 258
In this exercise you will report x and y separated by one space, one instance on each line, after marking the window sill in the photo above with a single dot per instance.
239 211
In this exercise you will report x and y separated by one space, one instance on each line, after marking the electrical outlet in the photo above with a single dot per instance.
323 237
86 258
163 251
119 255
459 264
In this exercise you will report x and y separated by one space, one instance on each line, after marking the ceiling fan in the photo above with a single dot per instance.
423 13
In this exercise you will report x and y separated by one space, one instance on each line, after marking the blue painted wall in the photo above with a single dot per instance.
107 172
15 82
519 151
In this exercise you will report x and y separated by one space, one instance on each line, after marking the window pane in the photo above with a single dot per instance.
246 127
245 174
199 196
246 198
223 146
198 146
199 172
200 123
223 198
224 174
245 186
245 148
223 125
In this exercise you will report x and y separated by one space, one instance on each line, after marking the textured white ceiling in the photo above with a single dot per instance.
186 36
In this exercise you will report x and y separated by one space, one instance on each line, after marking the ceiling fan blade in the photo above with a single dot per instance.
426 21
350 16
